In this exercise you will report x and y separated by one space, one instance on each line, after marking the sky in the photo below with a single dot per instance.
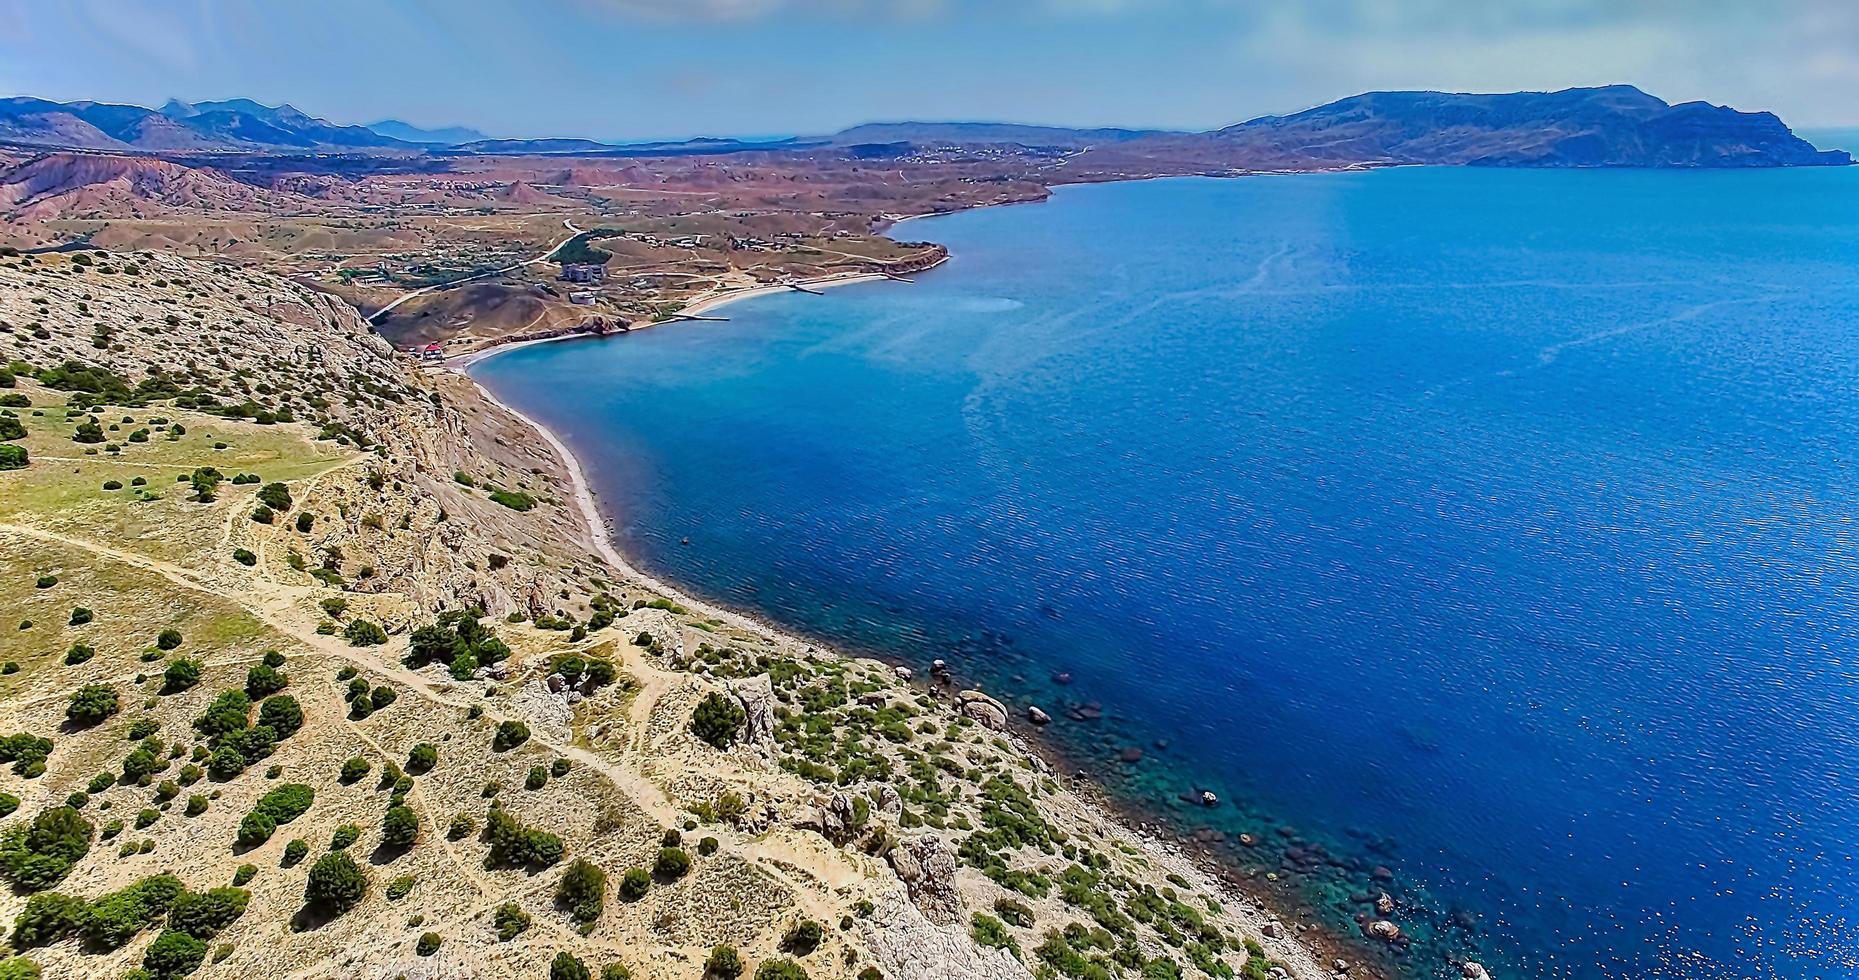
648 69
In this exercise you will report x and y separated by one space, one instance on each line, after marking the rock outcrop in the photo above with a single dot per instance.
927 868
987 712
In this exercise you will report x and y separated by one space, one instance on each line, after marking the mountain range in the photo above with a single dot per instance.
1616 125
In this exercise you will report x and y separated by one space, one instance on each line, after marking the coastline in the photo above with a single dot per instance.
1309 948
698 307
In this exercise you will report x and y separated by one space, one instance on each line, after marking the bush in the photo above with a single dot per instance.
634 884
13 458
180 675
114 919
78 653
275 496
582 890
362 633
428 944
400 887
27 752
91 704
168 639
567 967
460 828
672 863
344 836
991 932
514 499
262 515
723 964
81 615
244 873
261 680
47 918
39 855
244 557
615 971
780 968
255 828
510 920
294 852
174 954
804 938
514 845
510 734
538 777
422 758
354 769
400 827
281 714
716 719
203 914
336 884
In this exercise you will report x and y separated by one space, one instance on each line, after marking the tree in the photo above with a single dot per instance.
723 964
400 827
275 496
262 680
336 884
510 734
281 714
780 968
362 633
672 863
181 674
91 704
174 954
203 914
422 758
567 967
582 889
716 719
511 921
205 482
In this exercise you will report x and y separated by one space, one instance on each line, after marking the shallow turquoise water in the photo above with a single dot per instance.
1493 527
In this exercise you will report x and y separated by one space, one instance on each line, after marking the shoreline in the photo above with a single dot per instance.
1312 945
1317 946
696 308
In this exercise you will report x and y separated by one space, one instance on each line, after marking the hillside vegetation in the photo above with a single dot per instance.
312 669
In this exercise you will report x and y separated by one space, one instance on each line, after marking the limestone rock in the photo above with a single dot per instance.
1473 971
1036 716
927 868
1384 904
757 696
987 712
1383 930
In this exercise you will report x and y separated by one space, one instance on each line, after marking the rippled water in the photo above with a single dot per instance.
1493 528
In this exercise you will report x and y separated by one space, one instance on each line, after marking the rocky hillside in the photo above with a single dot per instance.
238 124
320 673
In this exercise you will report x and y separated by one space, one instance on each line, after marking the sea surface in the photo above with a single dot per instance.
1491 529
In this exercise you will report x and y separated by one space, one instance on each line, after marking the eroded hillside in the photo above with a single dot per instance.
313 669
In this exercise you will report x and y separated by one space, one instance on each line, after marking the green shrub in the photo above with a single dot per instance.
510 734
803 938
81 615
538 777
514 499
344 836
582 890
336 884
991 932
362 633
566 966
47 918
78 653
275 496
261 680
115 918
780 968
716 719
511 921
91 704
400 887
174 954
723 964
672 863
180 675
422 758
168 639
354 769
460 828
514 845
294 852
428 944
244 557
635 883
38 855
27 752
203 914
281 714
399 827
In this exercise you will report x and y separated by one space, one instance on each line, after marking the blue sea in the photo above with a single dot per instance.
1493 532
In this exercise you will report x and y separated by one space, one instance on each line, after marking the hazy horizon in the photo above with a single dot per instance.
655 69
